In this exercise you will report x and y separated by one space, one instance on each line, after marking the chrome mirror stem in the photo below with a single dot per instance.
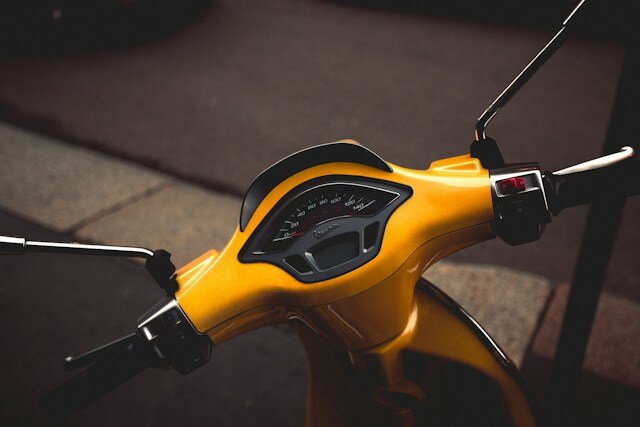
20 245
521 79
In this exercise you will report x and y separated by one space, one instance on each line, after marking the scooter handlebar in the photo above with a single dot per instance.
524 199
618 180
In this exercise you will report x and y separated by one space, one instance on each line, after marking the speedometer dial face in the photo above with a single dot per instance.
324 203
325 227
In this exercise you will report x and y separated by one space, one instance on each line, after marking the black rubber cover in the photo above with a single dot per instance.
304 159
162 270
582 188
488 153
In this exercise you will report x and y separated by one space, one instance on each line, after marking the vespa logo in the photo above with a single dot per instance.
324 229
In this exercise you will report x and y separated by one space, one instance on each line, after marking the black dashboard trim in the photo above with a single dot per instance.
246 254
304 159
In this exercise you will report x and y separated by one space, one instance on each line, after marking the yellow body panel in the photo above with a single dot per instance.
372 313
450 196
433 329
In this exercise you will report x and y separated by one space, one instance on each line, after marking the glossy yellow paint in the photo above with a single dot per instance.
382 311
370 313
433 329
439 332
450 196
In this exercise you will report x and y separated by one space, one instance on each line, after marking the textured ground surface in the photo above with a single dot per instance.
69 304
61 305
615 337
215 103
507 303
249 82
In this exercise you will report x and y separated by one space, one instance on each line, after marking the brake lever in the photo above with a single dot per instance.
71 363
164 339
625 153
103 376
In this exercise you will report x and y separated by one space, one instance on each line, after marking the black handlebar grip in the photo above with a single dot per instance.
581 188
95 382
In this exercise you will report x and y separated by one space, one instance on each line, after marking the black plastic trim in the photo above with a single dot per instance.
304 159
488 153
252 249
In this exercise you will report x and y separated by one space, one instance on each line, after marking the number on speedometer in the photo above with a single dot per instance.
324 203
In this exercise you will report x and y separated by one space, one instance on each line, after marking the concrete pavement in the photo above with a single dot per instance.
68 304
57 305
62 187
201 112
81 294
249 82
188 220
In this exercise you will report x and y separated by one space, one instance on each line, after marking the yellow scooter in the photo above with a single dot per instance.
334 239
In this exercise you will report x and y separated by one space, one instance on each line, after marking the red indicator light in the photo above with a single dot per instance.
512 185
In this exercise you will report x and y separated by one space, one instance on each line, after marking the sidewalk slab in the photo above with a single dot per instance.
612 352
184 219
187 221
105 200
68 304
507 303
60 186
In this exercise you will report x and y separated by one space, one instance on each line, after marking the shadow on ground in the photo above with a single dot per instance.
598 18
65 304
599 401
58 26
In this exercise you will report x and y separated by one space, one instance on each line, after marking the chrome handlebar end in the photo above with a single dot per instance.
12 245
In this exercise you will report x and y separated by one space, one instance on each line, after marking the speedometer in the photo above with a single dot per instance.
322 204
325 227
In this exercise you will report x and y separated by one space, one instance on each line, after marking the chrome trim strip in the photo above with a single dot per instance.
518 171
172 304
165 308
20 245
12 245
79 248
174 340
